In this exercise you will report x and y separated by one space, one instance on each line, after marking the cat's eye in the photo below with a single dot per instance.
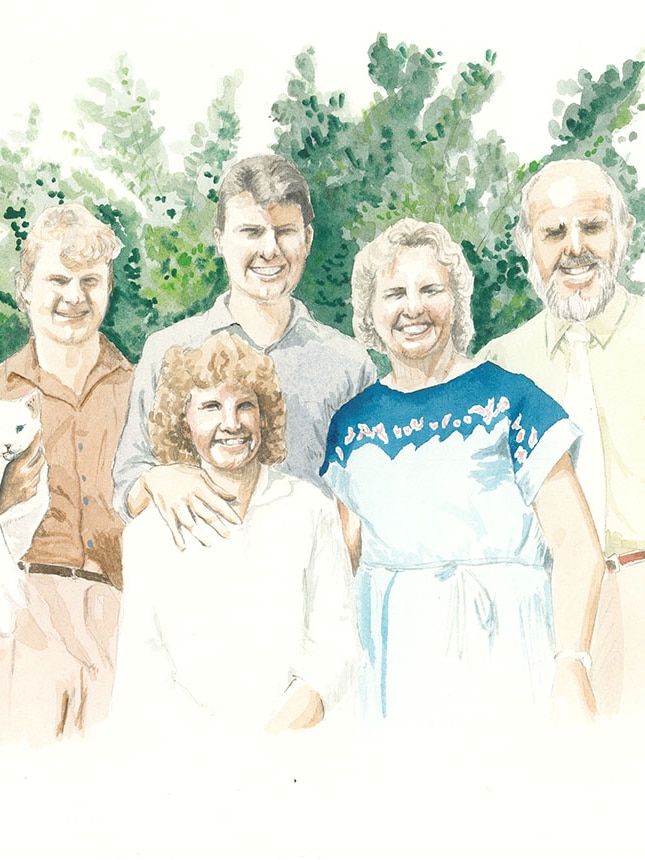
20 428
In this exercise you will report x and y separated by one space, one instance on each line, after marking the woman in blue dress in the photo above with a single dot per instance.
476 558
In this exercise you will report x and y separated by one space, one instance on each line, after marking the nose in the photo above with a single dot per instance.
575 240
73 292
270 247
229 418
413 304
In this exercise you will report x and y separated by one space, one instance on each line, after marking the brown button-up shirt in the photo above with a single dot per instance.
80 435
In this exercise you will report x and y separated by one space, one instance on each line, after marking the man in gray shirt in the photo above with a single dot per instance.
264 234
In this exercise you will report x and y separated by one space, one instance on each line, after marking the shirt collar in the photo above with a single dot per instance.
24 365
601 327
271 485
219 317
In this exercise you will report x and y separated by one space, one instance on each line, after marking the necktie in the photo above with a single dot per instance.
580 403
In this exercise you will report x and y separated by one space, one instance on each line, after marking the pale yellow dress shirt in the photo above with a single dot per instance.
539 350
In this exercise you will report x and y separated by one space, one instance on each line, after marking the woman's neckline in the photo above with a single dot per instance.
385 384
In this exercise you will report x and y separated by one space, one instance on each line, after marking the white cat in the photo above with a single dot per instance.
19 426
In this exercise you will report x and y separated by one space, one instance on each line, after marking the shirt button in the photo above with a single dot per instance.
86 501
83 477
90 544
80 446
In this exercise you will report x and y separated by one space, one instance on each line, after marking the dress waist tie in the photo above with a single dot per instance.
469 599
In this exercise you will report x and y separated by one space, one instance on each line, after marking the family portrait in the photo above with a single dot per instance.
322 489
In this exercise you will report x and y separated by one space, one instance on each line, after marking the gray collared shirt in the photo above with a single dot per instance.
319 370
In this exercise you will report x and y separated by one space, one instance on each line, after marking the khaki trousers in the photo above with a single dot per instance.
57 671
618 644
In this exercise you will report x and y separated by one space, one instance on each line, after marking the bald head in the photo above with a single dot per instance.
574 230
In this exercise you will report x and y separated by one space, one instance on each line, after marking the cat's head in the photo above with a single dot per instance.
19 423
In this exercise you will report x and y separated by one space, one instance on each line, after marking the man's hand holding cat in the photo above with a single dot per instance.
20 479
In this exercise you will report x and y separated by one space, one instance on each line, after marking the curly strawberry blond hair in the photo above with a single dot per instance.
223 358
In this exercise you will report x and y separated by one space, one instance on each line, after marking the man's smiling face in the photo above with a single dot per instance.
66 305
573 240
264 250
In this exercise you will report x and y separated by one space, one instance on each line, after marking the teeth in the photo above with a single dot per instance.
414 329
267 271
577 270
230 443
71 317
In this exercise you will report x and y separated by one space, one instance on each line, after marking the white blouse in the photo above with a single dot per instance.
233 625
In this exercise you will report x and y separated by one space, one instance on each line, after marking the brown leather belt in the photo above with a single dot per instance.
62 570
615 562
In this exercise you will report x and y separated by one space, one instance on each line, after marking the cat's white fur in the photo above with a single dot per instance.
19 425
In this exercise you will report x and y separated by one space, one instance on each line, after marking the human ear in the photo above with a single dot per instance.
21 292
309 236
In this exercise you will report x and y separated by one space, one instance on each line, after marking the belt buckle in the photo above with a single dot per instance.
613 563
74 571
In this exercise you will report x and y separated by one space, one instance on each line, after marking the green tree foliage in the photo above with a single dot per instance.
176 259
413 152
168 267
27 187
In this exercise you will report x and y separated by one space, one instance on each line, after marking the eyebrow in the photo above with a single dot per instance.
290 224
594 219
90 274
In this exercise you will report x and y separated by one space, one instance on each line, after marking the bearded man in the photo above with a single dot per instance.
585 349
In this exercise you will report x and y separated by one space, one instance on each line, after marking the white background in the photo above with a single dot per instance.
471 793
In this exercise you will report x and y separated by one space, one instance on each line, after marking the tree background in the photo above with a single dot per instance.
512 794
411 150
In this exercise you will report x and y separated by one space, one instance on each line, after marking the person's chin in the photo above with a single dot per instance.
420 344
267 290
587 290
67 335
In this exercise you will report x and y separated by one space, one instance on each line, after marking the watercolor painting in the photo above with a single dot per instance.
351 315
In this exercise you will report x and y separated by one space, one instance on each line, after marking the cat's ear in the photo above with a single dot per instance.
32 402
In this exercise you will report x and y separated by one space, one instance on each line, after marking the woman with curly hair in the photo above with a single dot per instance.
454 478
257 628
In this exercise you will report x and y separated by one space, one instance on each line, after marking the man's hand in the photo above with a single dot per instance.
302 710
20 479
572 698
186 498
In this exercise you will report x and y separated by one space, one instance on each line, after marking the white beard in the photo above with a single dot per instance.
574 308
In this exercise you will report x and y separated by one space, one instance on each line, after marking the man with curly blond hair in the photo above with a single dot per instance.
59 664
257 629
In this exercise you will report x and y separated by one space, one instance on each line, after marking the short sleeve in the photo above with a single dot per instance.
540 432
334 468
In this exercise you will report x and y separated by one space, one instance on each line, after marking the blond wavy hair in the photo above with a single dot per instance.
223 358
84 241
374 257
